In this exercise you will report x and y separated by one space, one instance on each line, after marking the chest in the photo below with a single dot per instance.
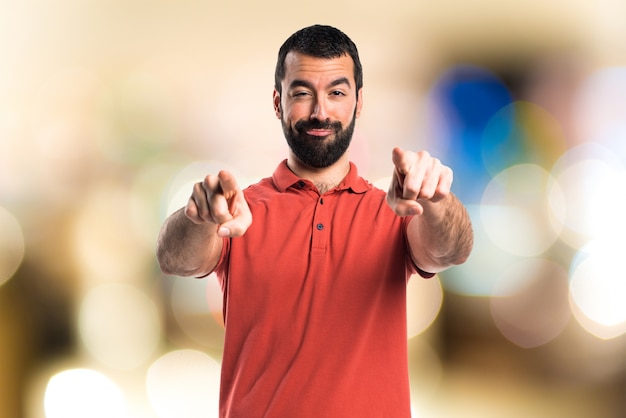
340 237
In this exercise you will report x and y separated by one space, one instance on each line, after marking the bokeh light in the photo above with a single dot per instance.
537 310
184 383
424 300
80 393
12 245
590 203
514 210
598 288
521 133
119 325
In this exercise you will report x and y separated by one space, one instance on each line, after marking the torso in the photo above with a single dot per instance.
315 306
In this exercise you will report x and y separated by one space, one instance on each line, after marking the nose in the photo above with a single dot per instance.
320 110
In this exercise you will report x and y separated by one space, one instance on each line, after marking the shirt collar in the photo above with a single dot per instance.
284 178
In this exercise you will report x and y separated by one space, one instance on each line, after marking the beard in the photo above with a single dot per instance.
318 152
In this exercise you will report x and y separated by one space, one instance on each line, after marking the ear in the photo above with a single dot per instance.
359 102
276 99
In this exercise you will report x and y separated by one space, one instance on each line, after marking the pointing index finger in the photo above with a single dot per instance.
409 174
399 161
230 189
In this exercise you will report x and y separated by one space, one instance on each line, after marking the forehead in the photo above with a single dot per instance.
306 67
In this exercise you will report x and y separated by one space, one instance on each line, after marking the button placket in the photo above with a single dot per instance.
320 228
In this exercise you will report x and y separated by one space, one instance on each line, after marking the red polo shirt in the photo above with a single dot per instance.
315 303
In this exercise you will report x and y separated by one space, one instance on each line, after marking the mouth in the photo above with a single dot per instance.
316 129
319 133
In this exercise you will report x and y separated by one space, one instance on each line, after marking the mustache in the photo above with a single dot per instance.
303 125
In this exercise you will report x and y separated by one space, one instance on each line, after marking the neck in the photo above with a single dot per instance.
326 178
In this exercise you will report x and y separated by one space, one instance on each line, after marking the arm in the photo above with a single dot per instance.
440 235
191 239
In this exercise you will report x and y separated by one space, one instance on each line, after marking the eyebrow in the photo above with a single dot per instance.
304 83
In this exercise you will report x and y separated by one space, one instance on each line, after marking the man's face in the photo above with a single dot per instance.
318 107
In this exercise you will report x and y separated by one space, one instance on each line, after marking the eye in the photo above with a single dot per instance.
337 93
300 93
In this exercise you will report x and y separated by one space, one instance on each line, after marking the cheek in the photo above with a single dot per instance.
346 111
348 116
294 113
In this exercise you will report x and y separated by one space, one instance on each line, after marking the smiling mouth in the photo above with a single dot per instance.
319 132
316 129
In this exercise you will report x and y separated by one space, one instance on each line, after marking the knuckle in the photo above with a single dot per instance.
210 183
403 167
203 215
423 155
198 188
427 194
191 211
220 216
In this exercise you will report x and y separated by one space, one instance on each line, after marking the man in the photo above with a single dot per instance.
314 261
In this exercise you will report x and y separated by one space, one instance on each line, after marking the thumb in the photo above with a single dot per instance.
233 228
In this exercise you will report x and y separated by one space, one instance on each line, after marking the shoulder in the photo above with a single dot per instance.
260 187
373 193
264 193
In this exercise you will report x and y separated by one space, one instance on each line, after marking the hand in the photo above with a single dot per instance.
417 178
219 200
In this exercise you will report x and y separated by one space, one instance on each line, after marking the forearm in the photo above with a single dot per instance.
442 236
187 249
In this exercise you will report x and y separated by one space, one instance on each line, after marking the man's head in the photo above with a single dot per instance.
321 42
318 94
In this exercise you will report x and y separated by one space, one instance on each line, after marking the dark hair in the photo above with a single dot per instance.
322 42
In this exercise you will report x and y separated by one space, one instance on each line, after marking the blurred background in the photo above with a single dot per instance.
111 110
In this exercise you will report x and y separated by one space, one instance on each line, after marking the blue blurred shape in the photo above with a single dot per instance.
466 98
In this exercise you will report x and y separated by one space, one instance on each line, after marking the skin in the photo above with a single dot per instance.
439 236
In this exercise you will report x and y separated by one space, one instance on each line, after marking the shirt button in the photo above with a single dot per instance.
320 227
